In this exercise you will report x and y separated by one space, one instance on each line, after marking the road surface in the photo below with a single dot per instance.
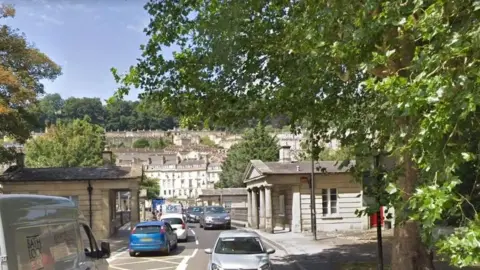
188 256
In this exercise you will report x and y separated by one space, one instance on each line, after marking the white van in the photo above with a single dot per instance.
48 233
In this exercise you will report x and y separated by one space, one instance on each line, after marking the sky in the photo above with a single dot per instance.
86 38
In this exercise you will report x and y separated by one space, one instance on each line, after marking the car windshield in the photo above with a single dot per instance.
173 221
239 245
197 209
214 210
146 229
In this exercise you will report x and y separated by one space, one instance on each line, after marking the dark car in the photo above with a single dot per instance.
193 213
215 217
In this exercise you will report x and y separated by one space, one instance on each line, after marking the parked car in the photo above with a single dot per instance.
178 224
194 213
151 236
45 232
239 249
215 217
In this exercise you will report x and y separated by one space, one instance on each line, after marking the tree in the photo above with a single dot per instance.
384 76
205 140
152 186
22 67
141 143
160 143
68 144
256 144
77 108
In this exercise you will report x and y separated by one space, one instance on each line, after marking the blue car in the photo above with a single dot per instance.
152 236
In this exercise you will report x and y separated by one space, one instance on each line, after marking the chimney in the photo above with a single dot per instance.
107 157
285 154
20 160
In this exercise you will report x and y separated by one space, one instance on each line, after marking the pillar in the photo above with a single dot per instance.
261 222
296 210
254 210
268 210
249 207
134 207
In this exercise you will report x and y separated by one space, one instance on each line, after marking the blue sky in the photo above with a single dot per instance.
85 37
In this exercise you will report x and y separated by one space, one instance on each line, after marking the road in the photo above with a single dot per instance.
188 256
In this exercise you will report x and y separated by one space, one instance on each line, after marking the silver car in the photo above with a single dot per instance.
215 217
239 250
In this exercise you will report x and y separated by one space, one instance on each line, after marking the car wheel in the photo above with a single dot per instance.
132 254
228 227
200 224
167 251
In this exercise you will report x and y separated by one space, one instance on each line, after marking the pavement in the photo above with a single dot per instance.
188 256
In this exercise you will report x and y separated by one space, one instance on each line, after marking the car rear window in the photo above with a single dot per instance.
146 229
173 221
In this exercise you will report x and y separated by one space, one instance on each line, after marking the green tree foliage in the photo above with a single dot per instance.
22 68
152 186
141 143
160 143
116 115
205 140
400 76
256 144
78 143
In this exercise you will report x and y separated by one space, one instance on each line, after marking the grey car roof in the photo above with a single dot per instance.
238 233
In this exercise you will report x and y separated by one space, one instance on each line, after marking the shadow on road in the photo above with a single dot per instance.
360 256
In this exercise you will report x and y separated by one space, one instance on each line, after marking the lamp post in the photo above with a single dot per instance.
312 192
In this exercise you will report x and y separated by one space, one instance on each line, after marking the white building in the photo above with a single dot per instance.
182 177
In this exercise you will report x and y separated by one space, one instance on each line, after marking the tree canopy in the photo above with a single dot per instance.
256 144
22 67
152 186
383 76
77 143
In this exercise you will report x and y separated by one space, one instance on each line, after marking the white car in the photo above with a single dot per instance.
177 222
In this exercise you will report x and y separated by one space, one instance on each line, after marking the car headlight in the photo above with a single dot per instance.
208 218
227 218
216 267
265 267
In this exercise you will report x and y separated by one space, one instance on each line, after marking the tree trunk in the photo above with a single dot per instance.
409 252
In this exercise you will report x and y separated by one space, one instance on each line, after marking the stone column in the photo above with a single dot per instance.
268 210
249 207
134 207
254 210
296 221
261 222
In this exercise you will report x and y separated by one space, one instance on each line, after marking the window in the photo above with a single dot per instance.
164 192
239 245
89 243
146 229
281 205
329 201
173 221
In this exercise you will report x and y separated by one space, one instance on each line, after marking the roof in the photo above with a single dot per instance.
239 233
15 173
21 200
171 215
150 223
301 167
223 191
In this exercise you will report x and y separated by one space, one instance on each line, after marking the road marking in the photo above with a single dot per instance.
196 240
162 268
117 254
184 263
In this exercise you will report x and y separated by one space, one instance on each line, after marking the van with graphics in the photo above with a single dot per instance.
48 233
